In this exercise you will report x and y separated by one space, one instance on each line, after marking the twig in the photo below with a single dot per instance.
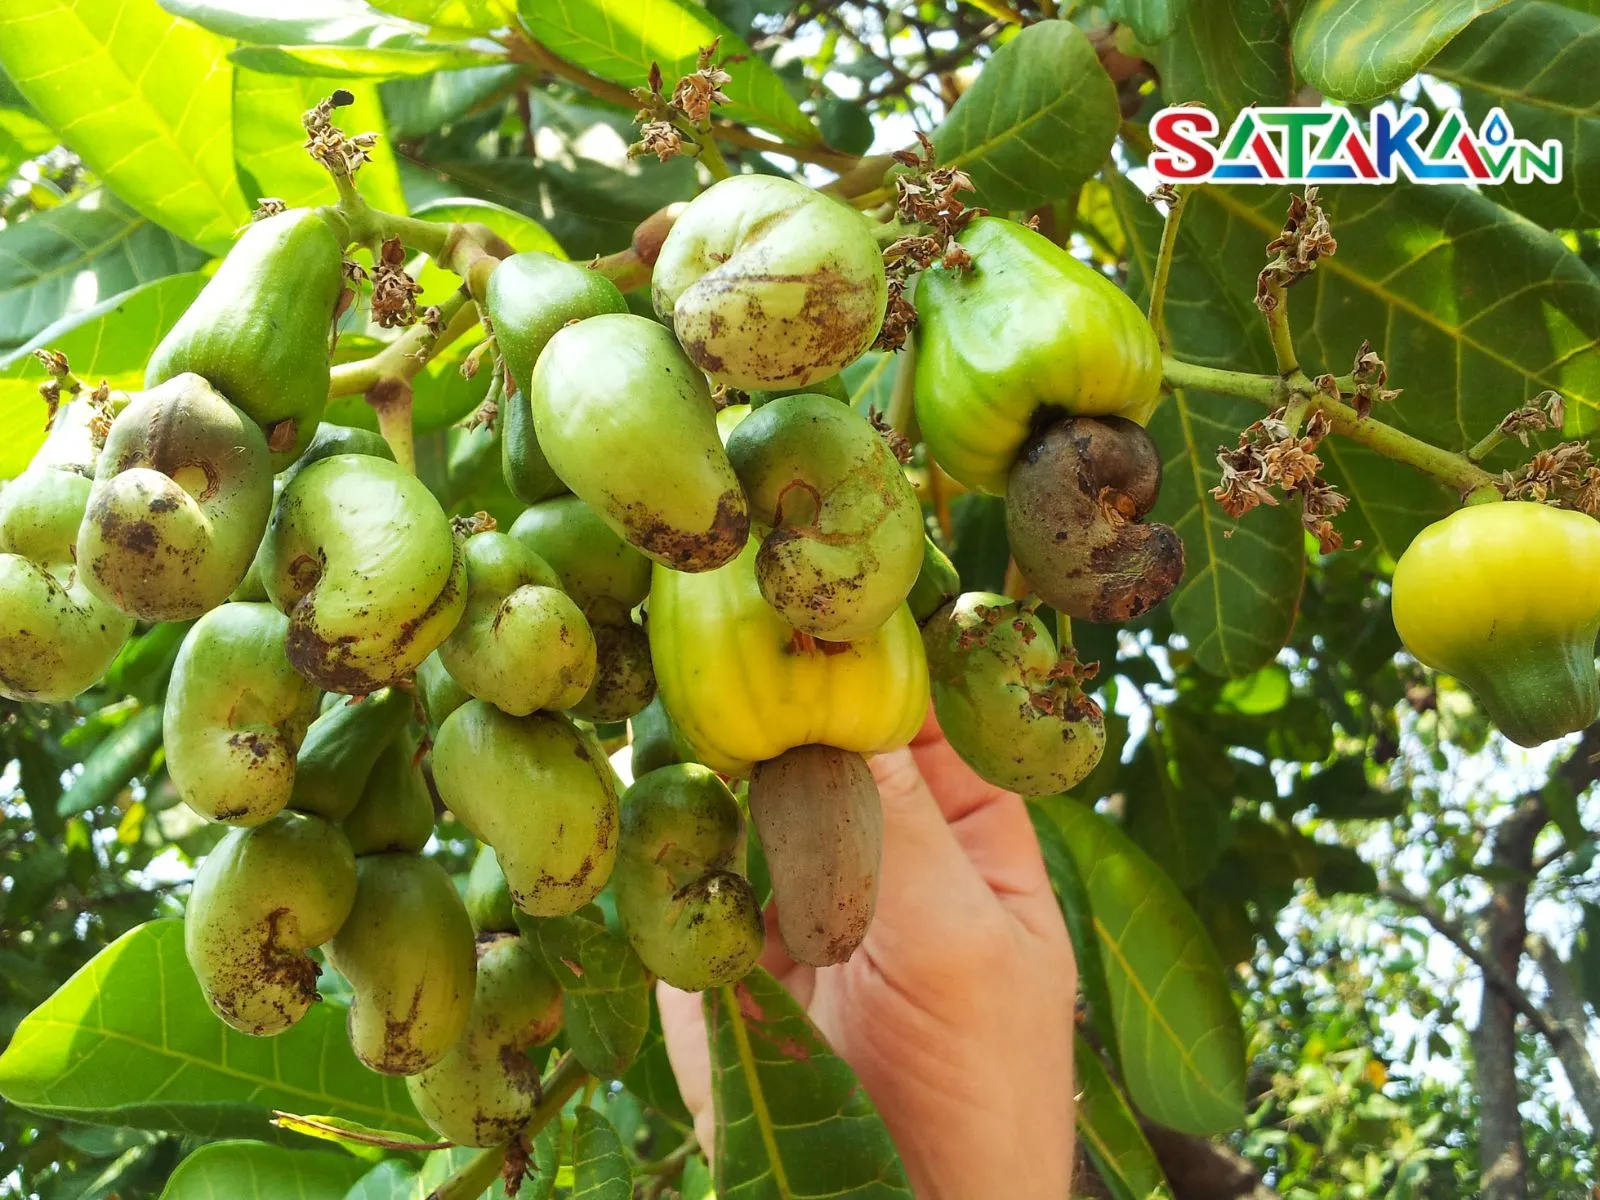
1163 268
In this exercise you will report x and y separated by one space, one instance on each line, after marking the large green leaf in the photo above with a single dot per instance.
269 140
1180 788
129 1040
111 341
1152 20
21 137
1242 579
1227 54
605 991
619 39
71 258
476 16
257 1171
416 107
398 1180
1182 1050
650 1078
792 1120
1359 50
360 62
1038 122
1539 62
143 99
600 1169
1111 1134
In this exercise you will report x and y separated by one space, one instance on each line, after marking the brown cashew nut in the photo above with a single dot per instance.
1074 506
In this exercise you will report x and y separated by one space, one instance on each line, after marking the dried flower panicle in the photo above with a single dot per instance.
1270 459
340 154
691 102
268 206
61 380
899 444
1544 412
1564 476
478 522
1369 375
394 293
1306 238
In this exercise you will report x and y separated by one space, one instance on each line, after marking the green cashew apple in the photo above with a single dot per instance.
338 439
847 533
395 812
488 897
629 425
656 741
236 714
259 329
540 791
832 386
261 899
441 695
770 284
938 583
485 1089
1010 706
180 500
1500 596
529 297
522 644
57 637
407 949
820 819
743 685
364 562
624 680
593 562
341 750
1074 507
1028 332
693 918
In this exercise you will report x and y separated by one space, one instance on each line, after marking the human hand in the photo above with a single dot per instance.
963 988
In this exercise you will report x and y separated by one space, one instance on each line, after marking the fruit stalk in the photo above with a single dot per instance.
1163 268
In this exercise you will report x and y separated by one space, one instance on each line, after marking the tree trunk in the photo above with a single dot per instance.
1502 1157
1200 1169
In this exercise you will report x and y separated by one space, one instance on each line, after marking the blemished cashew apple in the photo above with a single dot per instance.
529 297
1026 334
522 643
364 562
180 499
342 748
769 284
57 637
485 1089
236 714
540 791
846 534
261 899
743 685
820 819
407 950
1010 706
258 332
681 895
628 424
1498 595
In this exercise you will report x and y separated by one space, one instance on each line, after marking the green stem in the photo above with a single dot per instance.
624 268
363 224
1448 467
902 412
1277 315
1487 443
559 1086
709 155
1163 268
476 1176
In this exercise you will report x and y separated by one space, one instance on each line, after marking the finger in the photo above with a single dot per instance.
683 1026
798 979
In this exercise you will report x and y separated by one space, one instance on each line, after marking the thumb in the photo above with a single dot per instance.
683 1026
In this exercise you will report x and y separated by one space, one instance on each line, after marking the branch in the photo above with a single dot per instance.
1200 1169
1452 469
1452 931
1566 1008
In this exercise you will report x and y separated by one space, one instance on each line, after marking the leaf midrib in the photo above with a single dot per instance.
758 1099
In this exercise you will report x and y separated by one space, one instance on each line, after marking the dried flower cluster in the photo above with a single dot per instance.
1058 691
1544 412
394 293
660 132
1369 376
478 522
899 444
339 154
268 206
1563 476
61 380
1270 456
925 195
1294 253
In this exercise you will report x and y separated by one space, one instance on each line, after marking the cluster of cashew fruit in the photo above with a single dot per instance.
753 589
